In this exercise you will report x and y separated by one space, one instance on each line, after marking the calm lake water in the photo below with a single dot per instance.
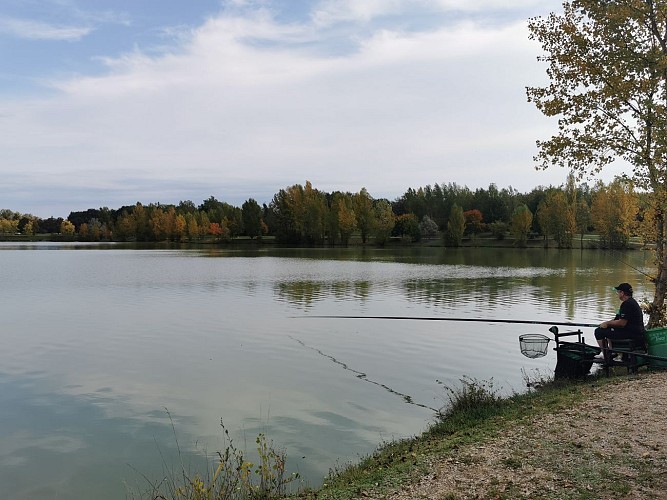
110 356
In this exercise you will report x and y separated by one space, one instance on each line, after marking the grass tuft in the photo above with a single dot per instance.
472 401
230 476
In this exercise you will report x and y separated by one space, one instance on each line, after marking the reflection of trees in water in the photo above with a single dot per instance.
305 293
567 283
572 284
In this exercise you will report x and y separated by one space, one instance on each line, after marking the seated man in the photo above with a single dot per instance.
628 323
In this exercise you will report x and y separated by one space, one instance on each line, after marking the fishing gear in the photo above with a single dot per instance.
611 251
439 318
362 376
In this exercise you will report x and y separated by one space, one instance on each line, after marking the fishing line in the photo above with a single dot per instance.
362 376
611 252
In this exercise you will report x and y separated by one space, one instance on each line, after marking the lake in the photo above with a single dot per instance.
113 358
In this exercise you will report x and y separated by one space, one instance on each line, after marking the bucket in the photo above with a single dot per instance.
656 339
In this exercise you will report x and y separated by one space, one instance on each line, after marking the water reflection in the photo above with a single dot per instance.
305 293
54 445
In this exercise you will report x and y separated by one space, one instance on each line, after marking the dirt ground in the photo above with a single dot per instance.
612 445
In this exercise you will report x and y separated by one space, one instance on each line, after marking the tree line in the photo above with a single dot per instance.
303 215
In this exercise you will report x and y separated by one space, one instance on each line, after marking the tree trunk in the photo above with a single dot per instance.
657 307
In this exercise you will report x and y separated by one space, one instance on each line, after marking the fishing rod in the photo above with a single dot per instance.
438 318
611 252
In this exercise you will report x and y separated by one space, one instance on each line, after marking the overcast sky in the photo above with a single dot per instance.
110 102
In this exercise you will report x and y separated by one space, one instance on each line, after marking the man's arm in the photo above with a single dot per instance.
614 323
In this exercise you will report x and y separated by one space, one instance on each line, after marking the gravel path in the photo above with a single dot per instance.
612 445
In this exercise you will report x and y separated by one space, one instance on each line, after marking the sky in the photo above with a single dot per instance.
105 103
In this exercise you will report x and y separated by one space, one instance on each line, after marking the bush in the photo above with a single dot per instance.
472 401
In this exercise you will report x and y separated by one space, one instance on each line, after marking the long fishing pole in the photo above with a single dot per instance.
611 252
438 318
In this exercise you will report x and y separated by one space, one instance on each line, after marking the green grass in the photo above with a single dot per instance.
475 413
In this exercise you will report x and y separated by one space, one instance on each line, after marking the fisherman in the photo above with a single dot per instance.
628 323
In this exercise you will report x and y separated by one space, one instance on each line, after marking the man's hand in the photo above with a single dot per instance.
604 324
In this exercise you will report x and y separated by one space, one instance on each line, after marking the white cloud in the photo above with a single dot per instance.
35 30
249 105
333 11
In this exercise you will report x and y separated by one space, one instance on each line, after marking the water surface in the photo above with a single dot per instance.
107 350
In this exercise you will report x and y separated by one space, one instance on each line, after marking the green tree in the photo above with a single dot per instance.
384 221
252 218
363 211
346 219
456 226
287 211
314 214
522 220
125 227
607 65
582 219
556 218
407 226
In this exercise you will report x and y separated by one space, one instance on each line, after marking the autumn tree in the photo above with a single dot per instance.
9 226
180 225
346 222
28 228
66 227
473 221
522 220
607 65
192 227
158 224
614 212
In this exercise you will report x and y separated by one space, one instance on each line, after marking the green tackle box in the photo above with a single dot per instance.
656 339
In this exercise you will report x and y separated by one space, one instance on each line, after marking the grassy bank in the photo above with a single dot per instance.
475 414
459 434
459 437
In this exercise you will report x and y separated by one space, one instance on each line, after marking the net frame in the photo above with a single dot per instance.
534 345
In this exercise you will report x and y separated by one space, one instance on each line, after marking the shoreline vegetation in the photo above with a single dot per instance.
600 437
304 216
484 240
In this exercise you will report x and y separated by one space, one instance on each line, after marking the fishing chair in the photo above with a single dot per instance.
631 351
